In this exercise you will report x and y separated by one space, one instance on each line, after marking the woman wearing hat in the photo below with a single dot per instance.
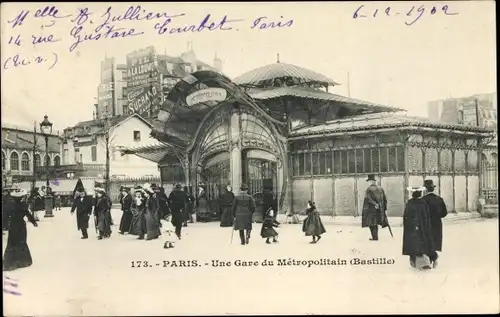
202 208
417 235
101 211
126 202
313 226
243 209
152 215
17 253
138 208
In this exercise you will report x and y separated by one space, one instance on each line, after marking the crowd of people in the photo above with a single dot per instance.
143 208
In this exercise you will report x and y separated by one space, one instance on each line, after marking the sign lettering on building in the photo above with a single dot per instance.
105 90
206 95
143 79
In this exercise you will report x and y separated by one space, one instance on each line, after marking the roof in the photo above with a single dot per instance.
113 121
311 93
23 140
260 76
155 152
381 121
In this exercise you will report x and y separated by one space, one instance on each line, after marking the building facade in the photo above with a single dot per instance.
22 149
88 142
307 144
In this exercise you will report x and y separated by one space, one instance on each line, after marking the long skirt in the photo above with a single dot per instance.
268 232
17 253
152 225
125 221
227 217
104 223
420 262
138 224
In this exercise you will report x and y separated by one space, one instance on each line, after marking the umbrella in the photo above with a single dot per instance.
288 74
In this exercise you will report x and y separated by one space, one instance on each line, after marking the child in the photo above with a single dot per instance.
312 224
268 225
170 233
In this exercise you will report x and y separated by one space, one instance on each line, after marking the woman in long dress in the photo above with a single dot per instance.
152 215
417 231
138 224
268 226
102 213
17 253
313 226
202 208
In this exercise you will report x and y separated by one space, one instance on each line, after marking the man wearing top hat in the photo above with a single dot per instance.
437 210
83 204
374 208
243 209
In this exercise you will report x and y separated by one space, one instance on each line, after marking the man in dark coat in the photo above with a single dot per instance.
374 208
226 204
417 230
126 202
437 210
83 204
177 201
243 209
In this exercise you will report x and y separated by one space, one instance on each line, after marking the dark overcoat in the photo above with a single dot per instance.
152 217
102 213
138 224
437 211
126 220
243 209
417 235
178 200
371 215
83 207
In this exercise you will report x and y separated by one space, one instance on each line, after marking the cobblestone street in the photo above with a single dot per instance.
78 277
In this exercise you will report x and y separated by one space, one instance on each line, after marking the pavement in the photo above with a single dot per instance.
93 277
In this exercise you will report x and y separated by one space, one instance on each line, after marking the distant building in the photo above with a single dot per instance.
17 153
85 144
110 91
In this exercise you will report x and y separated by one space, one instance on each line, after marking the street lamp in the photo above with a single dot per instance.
46 128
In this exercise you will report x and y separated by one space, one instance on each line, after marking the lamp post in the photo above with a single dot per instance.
46 128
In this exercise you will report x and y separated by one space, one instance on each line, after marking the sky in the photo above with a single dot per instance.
388 61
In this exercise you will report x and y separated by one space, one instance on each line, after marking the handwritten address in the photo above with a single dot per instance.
87 25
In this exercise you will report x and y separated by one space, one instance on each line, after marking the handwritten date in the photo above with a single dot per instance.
414 14
18 61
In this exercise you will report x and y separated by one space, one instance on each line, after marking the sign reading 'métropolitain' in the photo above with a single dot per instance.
204 95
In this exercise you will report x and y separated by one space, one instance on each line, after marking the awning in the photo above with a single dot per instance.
155 152
310 93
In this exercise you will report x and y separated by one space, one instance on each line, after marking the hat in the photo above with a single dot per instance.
19 193
78 187
429 183
371 177
178 186
99 190
147 187
415 189
138 189
244 186
124 188
153 186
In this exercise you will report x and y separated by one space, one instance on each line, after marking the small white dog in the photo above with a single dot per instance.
170 231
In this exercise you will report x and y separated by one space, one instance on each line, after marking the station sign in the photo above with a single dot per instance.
206 95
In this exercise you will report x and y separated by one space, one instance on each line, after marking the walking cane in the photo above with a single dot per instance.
232 234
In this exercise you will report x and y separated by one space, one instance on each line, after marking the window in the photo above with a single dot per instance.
359 161
329 162
4 161
25 162
81 158
375 160
322 163
352 161
65 156
14 161
383 159
401 158
137 136
93 153
170 67
77 156
47 160
38 160
57 161
308 163
393 160
300 157
315 163
337 168
125 109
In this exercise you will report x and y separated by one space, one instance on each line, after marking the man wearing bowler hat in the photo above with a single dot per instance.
437 211
243 209
374 208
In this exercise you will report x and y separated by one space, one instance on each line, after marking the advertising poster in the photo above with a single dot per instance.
105 90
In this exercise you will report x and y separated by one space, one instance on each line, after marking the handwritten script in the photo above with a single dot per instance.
412 14
116 23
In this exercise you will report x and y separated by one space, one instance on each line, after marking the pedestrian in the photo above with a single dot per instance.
177 200
82 203
374 208
437 211
170 230
57 202
268 201
268 225
163 201
186 212
126 203
243 210
152 214
226 202
313 226
190 207
138 224
417 231
17 253
101 212
202 208
37 202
